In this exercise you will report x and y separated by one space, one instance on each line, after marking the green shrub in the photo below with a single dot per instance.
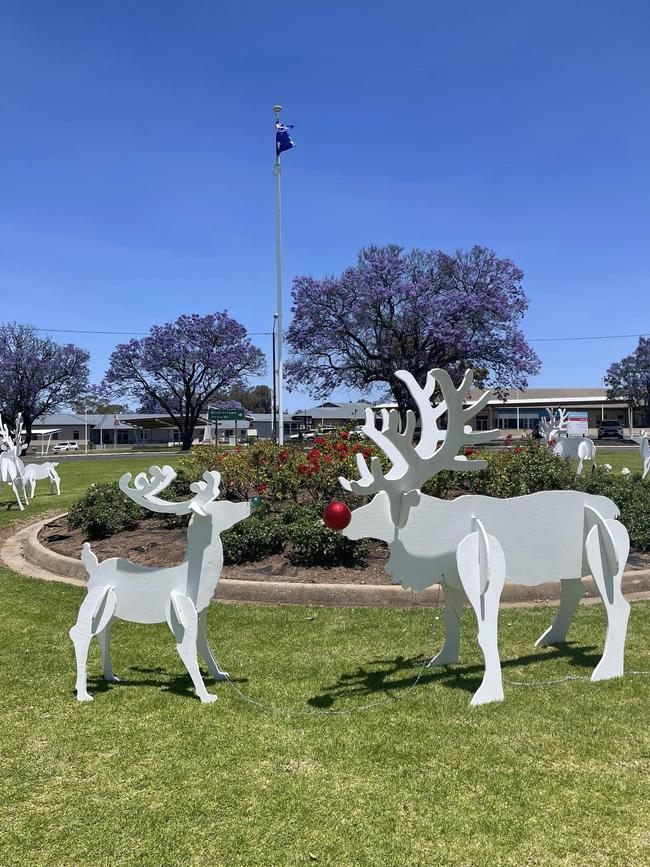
510 472
311 543
253 539
104 510
632 496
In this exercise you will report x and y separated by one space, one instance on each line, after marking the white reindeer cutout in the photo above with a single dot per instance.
555 432
179 595
474 543
46 470
12 468
644 448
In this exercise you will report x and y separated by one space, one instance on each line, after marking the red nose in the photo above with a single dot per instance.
337 516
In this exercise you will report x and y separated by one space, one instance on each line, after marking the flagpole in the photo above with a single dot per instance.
278 277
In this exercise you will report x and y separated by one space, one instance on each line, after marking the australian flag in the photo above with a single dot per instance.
283 140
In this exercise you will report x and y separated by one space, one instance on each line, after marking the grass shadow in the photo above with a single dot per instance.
395 675
179 685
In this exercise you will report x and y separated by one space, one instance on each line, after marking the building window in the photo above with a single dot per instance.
55 435
75 434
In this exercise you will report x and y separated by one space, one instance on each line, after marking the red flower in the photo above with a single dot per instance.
238 449
313 455
508 439
320 440
345 434
261 488
283 456
327 458
518 450
551 442
304 470
469 452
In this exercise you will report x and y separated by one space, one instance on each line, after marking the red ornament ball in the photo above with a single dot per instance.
337 516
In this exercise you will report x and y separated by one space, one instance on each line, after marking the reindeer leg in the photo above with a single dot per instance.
454 600
104 639
184 623
94 614
482 571
205 650
572 591
607 546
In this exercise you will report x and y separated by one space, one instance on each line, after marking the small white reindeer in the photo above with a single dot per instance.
555 432
178 595
471 545
12 469
46 470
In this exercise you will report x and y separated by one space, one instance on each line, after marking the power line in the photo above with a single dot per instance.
595 337
268 334
124 333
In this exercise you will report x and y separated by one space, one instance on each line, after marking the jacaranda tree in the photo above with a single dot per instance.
629 379
182 365
37 374
413 310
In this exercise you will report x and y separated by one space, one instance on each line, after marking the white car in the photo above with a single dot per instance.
71 446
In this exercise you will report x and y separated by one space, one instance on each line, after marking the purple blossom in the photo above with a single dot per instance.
416 311
181 366
37 375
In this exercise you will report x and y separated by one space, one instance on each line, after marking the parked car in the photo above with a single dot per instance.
610 428
71 446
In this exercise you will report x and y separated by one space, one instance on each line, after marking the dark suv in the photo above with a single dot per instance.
610 428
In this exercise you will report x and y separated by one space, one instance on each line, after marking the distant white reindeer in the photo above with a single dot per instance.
12 468
555 432
644 448
46 470
474 543
179 595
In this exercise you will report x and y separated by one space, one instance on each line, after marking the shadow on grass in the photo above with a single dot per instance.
179 685
398 674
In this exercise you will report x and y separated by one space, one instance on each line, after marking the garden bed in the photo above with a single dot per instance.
153 543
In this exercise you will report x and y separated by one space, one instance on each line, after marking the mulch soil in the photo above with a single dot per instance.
153 543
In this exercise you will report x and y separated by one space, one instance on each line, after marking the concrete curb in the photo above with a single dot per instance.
23 553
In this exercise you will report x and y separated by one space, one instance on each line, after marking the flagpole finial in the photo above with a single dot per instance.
277 109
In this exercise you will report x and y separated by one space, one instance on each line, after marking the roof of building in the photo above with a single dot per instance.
347 411
57 418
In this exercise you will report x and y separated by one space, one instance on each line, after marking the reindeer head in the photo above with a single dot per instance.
554 426
145 491
436 450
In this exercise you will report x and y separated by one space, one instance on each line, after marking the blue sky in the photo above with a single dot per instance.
137 148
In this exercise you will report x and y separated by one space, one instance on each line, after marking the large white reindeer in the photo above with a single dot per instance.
179 595
473 544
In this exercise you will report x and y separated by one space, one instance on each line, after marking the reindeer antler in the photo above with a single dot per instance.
437 449
146 488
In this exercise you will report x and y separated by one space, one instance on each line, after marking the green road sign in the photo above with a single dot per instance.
225 415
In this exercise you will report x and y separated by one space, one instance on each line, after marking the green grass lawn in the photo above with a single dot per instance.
619 458
75 475
147 775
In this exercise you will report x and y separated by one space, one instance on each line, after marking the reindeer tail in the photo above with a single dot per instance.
88 558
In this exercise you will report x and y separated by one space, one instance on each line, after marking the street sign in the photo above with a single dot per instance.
225 415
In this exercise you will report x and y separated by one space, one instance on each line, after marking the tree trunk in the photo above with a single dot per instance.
186 438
